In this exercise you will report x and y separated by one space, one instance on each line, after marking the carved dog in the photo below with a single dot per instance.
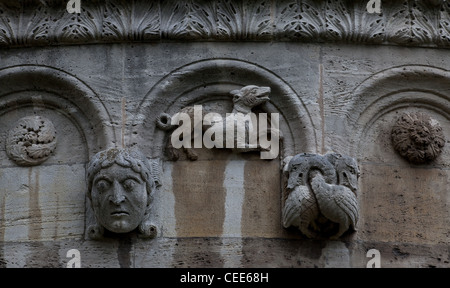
244 100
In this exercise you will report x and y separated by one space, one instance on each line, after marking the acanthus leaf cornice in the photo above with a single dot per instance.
47 22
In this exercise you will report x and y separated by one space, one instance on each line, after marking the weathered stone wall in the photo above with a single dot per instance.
224 210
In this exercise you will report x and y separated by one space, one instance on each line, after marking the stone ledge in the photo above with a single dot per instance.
221 253
47 22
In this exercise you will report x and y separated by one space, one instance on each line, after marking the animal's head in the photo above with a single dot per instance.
251 96
348 171
295 171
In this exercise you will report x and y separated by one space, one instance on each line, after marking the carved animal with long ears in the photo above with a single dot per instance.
244 100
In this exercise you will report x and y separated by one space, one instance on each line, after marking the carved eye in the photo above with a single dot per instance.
129 184
102 185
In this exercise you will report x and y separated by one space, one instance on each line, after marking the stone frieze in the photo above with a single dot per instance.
48 22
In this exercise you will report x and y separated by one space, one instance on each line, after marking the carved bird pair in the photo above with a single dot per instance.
321 186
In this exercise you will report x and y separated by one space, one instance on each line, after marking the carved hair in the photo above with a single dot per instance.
136 161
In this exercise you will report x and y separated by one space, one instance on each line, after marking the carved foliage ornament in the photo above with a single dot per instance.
321 194
31 141
417 137
44 22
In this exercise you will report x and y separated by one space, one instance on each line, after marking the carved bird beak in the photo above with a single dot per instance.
292 182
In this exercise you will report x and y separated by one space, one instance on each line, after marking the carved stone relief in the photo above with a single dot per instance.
414 22
121 183
321 194
372 104
244 100
417 137
40 90
52 119
208 83
31 141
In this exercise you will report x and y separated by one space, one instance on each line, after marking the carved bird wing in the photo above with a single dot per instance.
346 200
298 208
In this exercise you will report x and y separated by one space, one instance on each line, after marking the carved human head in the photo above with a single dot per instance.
120 186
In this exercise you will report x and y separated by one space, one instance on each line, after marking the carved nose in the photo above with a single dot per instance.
117 196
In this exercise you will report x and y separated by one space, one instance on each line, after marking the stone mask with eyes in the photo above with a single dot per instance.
120 185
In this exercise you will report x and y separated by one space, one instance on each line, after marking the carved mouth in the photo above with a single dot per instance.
264 96
120 213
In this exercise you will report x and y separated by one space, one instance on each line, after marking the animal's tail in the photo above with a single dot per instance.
163 122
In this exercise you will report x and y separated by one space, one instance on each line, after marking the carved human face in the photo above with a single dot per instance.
119 198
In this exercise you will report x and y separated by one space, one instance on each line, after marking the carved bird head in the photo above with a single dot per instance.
296 169
348 172
295 176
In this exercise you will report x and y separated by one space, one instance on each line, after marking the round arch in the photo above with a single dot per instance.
211 80
410 86
50 88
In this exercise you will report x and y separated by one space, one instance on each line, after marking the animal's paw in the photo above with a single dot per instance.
173 154
191 155
308 233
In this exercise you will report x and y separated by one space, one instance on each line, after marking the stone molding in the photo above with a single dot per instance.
47 22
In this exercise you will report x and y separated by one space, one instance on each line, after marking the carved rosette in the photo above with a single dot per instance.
417 137
31 141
